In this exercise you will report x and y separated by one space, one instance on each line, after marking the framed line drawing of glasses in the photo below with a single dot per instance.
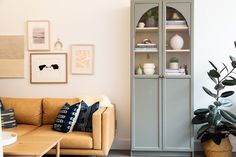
48 68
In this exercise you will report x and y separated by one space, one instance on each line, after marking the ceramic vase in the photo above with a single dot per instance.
151 22
176 42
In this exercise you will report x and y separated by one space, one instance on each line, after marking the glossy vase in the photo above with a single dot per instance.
213 150
176 42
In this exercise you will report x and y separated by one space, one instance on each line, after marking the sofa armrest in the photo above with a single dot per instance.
97 128
108 128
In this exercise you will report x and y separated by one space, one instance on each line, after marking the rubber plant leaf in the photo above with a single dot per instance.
209 92
227 94
229 82
213 65
228 116
203 129
201 111
212 78
226 102
214 73
200 119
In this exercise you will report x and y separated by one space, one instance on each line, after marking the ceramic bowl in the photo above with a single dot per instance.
148 65
149 71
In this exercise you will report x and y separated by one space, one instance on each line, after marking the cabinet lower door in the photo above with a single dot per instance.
177 115
145 117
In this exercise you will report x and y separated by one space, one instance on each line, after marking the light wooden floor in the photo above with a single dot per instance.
123 153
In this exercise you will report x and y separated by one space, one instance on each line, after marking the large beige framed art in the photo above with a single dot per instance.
12 56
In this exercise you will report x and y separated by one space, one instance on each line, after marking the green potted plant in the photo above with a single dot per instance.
174 63
216 122
152 18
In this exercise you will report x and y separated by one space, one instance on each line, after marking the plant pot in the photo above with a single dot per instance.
174 65
213 150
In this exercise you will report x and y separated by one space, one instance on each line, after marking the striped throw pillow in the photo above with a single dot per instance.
66 118
8 118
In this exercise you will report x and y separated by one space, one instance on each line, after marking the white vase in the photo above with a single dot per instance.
174 65
176 42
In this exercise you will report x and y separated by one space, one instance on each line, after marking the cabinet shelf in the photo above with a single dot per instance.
155 29
155 76
178 51
147 51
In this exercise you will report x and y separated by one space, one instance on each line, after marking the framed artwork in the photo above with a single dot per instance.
11 57
38 35
48 68
82 59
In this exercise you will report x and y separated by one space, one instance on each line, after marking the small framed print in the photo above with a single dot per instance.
48 68
82 59
38 35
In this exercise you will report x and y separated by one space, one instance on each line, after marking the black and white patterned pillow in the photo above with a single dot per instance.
84 121
66 117
8 118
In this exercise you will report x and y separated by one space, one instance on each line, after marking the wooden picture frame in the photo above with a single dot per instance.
38 35
48 68
82 59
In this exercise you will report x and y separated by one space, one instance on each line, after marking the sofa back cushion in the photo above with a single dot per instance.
51 107
27 110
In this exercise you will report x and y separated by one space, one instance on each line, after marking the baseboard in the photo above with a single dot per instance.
121 144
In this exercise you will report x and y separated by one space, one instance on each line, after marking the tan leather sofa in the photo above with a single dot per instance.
35 116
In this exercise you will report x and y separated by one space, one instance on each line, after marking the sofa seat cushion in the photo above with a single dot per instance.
22 129
51 107
27 110
73 140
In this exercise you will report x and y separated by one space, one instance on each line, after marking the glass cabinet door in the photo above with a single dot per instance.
146 40
177 49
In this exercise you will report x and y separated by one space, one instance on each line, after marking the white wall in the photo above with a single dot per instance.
215 32
105 23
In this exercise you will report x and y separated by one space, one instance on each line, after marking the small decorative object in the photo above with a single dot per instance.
141 24
58 45
139 70
149 68
48 68
217 123
176 42
186 69
152 18
174 63
82 56
175 16
147 41
38 37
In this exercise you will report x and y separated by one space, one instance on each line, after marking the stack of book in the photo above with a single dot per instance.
175 72
176 23
146 47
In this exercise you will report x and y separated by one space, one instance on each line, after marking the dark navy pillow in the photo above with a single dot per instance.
84 121
65 117
1 105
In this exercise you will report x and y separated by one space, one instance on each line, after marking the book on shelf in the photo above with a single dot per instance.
175 71
145 49
176 22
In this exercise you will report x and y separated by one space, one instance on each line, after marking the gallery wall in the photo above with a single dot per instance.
106 24
103 23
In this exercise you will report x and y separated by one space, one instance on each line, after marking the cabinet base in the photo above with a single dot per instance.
161 154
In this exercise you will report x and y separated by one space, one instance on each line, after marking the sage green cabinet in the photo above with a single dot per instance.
161 98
